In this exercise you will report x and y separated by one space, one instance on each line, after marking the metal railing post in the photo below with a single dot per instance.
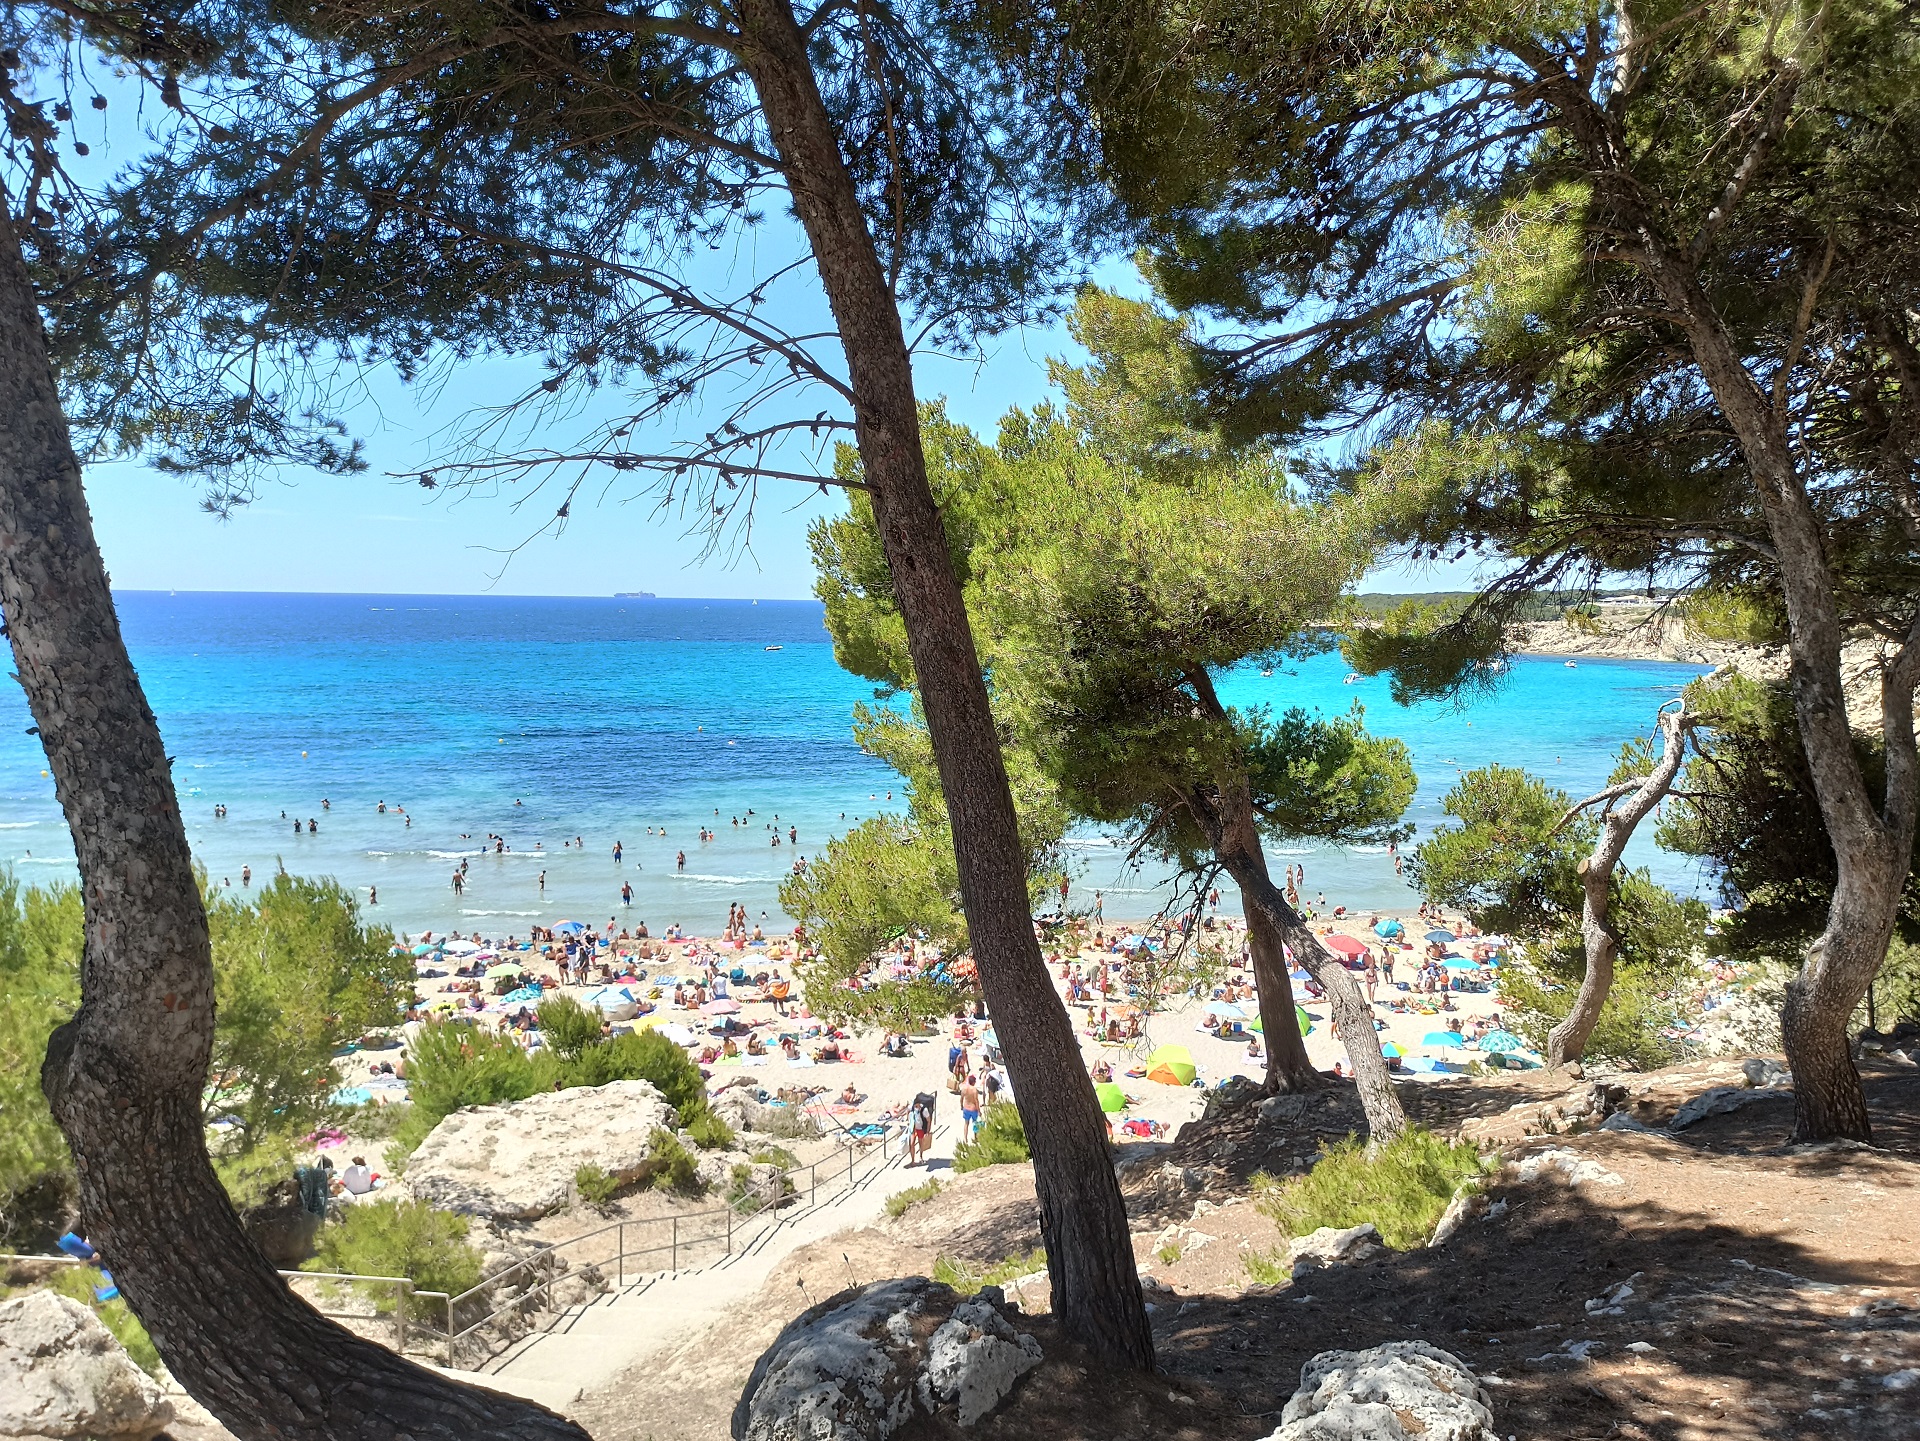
449 1332
623 1255
674 1263
729 1250
400 1318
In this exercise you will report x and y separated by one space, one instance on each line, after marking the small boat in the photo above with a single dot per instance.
1572 666
776 647
1352 676
1266 670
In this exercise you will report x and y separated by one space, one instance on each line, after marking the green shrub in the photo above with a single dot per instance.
635 1056
775 1156
594 1186
901 1202
1401 1189
1639 1006
1170 1252
261 1176
1268 1270
400 1238
999 1138
967 1279
709 1132
451 1065
568 1027
670 1166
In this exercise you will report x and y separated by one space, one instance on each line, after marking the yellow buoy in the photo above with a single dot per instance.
303 755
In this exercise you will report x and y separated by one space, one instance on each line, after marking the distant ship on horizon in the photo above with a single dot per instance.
634 595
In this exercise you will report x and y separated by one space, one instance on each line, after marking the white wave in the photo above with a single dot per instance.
715 880
499 913
1095 843
17 825
1292 851
1368 850
41 861
437 855
383 855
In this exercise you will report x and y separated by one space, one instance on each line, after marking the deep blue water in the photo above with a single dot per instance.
604 717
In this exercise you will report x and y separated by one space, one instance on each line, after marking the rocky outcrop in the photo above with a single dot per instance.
1720 1101
1395 1392
63 1376
1567 1168
861 1366
518 1161
1330 1246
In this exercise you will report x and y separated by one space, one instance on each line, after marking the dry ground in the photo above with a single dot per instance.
1771 1293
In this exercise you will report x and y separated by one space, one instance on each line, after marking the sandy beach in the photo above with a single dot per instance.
885 1085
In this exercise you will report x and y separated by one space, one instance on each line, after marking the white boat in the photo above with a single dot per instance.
776 647
1572 666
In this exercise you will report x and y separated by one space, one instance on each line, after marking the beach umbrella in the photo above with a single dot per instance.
616 1003
505 968
1111 1097
1346 945
423 949
461 948
1306 1021
725 1006
1228 1010
1501 1041
1387 929
1443 1039
990 1037
1460 963
1494 943
1171 1066
572 928
678 1034
1442 938
1387 1048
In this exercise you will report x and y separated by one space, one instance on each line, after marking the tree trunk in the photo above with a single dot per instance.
124 1076
1288 1066
1352 1015
1227 829
1873 845
1096 1287
1568 1040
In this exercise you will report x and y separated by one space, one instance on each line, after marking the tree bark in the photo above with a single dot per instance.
1096 1287
1568 1040
1289 1068
1873 844
124 1076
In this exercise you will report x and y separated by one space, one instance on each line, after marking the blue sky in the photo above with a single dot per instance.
373 533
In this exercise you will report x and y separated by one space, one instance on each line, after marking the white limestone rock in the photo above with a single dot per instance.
518 1161
63 1377
1395 1392
1330 1246
861 1366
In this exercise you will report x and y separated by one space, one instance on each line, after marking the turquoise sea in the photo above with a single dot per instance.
540 720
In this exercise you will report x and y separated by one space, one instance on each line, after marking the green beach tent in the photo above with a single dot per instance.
1111 1097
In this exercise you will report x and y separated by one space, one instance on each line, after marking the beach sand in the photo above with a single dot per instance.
886 1084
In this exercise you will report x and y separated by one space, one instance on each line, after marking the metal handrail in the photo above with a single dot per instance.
776 1197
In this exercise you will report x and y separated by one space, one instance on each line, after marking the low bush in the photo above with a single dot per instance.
1402 1188
594 1186
709 1132
775 1156
451 1065
670 1166
400 1238
901 1202
999 1138
967 1279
